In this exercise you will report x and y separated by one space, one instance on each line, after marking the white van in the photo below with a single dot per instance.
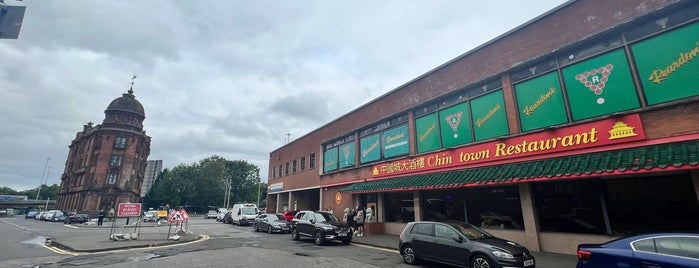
243 214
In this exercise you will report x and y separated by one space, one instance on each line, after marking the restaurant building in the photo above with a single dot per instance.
578 126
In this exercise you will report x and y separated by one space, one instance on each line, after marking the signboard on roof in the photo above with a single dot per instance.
600 133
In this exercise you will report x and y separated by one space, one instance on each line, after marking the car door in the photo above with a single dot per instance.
423 239
301 222
447 249
261 222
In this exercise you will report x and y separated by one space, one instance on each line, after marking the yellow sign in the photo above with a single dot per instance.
338 198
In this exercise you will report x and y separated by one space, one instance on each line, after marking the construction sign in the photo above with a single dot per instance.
184 214
176 217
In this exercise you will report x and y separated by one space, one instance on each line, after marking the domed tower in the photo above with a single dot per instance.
107 162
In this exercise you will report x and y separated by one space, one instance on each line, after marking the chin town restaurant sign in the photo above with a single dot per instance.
599 133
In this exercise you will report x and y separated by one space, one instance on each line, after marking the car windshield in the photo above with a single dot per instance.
248 211
471 232
323 216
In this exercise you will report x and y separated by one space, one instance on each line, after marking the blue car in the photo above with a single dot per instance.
647 250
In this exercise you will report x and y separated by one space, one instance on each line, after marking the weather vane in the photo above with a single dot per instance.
132 81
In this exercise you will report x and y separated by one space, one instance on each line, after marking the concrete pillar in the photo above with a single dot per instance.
380 213
417 203
531 223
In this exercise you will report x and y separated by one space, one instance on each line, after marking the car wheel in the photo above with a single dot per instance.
269 229
480 261
318 238
409 255
295 234
254 225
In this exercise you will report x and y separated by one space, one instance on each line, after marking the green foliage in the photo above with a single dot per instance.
50 192
202 186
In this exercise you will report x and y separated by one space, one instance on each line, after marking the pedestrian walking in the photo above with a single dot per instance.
100 218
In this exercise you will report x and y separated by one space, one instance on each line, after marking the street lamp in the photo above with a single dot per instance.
258 186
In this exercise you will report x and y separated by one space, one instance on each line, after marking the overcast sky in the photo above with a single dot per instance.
226 78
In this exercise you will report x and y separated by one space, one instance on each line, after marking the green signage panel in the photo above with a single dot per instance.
370 148
330 160
599 86
540 102
347 152
668 65
427 133
395 141
455 125
489 117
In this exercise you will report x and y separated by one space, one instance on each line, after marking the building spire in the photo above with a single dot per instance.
132 81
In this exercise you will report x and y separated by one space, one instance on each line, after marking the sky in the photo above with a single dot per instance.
236 79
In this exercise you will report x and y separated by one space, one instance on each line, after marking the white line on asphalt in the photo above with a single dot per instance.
66 252
378 248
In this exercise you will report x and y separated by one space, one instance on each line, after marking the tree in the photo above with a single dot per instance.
202 186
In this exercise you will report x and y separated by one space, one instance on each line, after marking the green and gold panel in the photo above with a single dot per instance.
540 102
330 160
347 152
395 141
600 85
489 117
370 148
455 125
427 133
668 64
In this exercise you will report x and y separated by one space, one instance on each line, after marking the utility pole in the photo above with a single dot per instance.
258 187
43 175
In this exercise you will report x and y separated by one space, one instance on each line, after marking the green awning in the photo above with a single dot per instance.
646 159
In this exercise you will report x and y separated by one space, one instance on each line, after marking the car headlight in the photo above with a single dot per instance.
503 255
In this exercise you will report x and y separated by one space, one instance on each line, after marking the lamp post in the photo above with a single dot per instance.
258 187
43 175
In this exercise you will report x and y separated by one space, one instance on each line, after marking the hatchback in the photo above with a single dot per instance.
211 214
459 244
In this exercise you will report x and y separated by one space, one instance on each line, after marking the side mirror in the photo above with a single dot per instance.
457 238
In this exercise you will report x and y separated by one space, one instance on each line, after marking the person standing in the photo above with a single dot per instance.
360 222
100 218
350 221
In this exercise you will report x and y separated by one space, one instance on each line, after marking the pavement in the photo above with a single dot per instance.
152 237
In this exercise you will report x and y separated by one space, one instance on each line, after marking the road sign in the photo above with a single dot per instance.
184 214
129 210
176 217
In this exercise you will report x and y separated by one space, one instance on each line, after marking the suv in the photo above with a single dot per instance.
321 226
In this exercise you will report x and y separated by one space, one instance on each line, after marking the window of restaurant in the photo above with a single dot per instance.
573 207
652 204
443 205
495 207
399 207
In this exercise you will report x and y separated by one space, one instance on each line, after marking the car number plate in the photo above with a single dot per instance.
342 234
528 262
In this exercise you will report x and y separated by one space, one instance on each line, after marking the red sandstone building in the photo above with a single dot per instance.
106 163
577 127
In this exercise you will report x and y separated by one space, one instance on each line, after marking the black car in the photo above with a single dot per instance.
460 244
271 222
228 217
321 226
78 217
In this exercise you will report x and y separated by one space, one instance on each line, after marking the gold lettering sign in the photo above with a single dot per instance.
481 121
429 130
657 76
529 109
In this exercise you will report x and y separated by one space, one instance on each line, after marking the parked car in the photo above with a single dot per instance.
289 214
77 217
59 216
228 218
221 213
49 215
647 250
211 214
321 226
40 216
459 244
31 215
272 223
150 216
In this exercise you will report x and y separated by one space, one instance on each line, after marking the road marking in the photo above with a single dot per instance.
378 248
